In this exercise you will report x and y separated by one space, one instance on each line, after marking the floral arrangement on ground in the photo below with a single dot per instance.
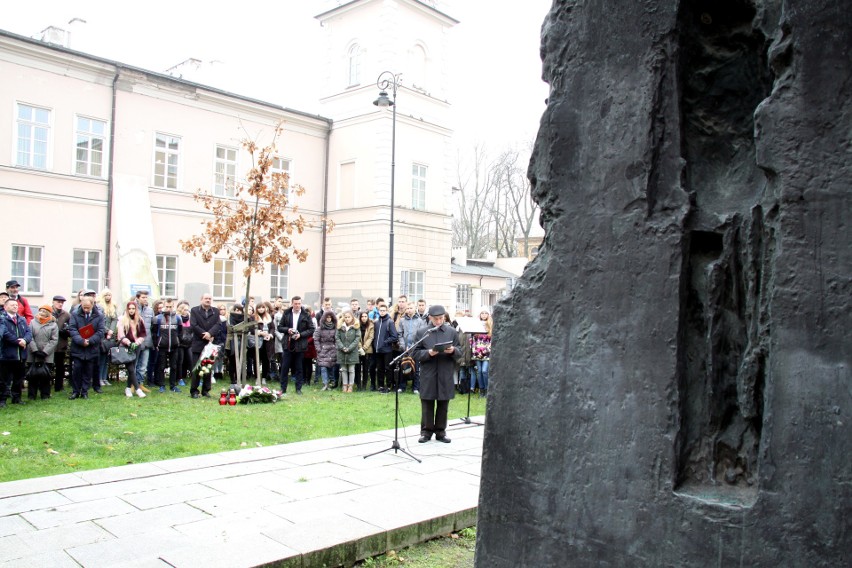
258 395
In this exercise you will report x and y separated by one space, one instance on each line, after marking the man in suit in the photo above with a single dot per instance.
204 321
295 327
86 332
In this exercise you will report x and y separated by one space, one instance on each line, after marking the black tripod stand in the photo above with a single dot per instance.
395 366
466 419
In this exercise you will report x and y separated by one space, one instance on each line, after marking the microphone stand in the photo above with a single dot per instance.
395 365
466 419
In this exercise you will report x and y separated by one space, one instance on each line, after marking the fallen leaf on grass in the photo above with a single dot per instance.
258 444
453 535
129 433
133 414
110 448
7 433
243 444
14 450
52 451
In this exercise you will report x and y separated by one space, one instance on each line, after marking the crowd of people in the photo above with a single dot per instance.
286 343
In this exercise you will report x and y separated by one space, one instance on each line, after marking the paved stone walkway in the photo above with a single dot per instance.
316 503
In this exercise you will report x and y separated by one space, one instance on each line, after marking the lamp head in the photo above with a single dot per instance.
383 101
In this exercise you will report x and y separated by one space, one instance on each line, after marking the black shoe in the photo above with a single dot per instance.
424 439
2 404
84 395
45 396
298 391
98 391
195 395
205 394
18 401
73 396
443 439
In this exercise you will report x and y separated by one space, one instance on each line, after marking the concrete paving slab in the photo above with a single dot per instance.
59 538
151 520
224 505
77 512
52 559
169 496
91 492
31 502
13 524
40 484
130 550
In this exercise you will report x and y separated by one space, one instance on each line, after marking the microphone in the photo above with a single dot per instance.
433 329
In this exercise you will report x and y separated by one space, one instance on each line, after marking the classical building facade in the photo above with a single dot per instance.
100 163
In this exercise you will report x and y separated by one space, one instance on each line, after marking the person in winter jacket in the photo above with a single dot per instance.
408 326
15 335
384 340
165 332
86 327
297 325
365 353
110 310
480 346
40 352
347 340
60 355
325 341
24 309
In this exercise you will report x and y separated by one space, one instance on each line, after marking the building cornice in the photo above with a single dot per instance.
416 4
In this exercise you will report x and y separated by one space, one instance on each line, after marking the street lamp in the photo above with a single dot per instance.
387 79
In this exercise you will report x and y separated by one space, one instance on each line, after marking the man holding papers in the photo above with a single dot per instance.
86 331
437 355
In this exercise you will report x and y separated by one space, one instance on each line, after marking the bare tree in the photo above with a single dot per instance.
516 190
473 218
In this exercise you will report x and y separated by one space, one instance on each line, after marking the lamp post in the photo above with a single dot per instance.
390 80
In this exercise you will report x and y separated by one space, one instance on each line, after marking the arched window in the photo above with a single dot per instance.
354 59
418 66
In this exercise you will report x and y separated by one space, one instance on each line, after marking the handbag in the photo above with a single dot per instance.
121 355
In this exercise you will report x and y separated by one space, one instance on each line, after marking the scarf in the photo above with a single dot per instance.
44 320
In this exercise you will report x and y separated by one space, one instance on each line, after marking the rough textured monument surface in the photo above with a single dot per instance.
672 378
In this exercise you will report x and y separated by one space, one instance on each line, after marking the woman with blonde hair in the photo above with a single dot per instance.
347 340
108 307
131 334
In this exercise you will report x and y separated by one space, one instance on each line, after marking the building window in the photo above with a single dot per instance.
26 267
489 298
354 59
413 283
279 281
223 278
33 134
166 155
167 275
463 297
282 166
418 186
225 176
86 269
91 142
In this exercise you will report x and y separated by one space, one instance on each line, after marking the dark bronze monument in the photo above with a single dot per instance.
672 379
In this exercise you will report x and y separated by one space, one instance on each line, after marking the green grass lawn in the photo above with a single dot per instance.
49 437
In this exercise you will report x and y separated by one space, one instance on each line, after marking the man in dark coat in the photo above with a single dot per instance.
59 355
295 327
15 335
204 321
437 355
86 331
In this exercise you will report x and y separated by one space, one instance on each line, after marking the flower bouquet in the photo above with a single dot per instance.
258 395
480 346
204 367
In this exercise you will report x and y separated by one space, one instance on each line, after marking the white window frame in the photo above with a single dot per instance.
419 173
166 153
413 283
33 126
463 297
223 270
275 168
86 281
279 281
225 171
167 275
353 65
85 133
28 270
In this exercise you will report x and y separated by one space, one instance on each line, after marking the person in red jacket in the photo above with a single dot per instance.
24 309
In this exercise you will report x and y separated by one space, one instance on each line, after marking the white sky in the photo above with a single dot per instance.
497 90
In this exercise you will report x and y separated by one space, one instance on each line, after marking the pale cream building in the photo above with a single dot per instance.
100 161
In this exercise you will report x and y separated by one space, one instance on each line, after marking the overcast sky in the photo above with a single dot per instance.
498 92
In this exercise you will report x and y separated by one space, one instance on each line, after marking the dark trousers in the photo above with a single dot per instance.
59 367
433 417
205 384
153 365
82 373
291 360
170 358
11 380
384 375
